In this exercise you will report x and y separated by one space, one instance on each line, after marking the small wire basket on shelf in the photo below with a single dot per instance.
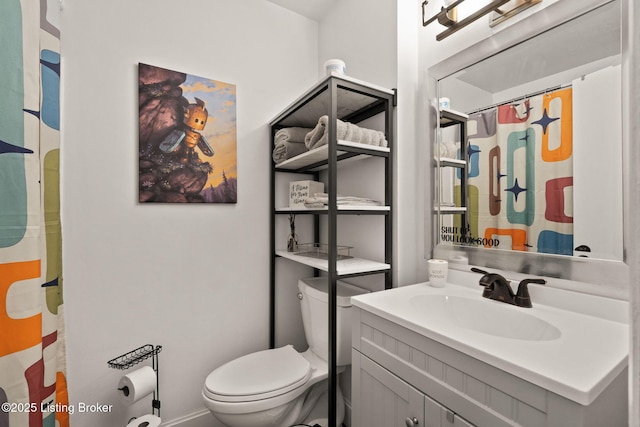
321 251
134 357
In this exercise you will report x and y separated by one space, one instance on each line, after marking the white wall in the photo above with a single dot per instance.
412 175
193 279
363 34
378 42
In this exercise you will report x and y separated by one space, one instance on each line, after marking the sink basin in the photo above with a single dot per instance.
487 317
569 343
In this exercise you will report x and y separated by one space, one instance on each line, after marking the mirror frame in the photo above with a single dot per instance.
613 274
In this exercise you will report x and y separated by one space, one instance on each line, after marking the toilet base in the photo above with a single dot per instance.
318 414
310 408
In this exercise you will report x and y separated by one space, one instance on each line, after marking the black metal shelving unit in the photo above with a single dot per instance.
350 100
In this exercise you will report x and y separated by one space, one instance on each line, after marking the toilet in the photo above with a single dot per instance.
281 387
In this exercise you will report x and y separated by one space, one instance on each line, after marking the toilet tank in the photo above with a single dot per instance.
314 297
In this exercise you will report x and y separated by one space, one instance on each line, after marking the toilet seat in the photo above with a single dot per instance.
258 376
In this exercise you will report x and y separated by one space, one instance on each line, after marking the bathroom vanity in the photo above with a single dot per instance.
435 357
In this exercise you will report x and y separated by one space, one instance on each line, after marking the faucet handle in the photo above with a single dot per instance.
495 286
484 281
523 299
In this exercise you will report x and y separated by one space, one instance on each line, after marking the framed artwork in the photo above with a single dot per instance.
187 138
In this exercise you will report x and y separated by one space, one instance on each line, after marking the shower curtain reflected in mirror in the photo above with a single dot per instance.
520 176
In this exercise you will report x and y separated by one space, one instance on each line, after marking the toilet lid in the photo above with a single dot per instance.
258 375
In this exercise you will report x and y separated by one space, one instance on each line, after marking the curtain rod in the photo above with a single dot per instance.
520 98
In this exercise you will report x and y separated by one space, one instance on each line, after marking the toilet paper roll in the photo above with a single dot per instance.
137 384
438 272
149 420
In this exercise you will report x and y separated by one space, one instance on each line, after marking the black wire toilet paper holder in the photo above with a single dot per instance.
136 356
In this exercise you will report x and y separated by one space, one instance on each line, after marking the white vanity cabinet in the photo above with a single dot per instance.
402 378
390 401
382 398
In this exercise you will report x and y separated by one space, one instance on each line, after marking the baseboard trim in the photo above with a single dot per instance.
201 418
204 418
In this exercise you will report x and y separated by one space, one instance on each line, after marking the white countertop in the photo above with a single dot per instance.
590 352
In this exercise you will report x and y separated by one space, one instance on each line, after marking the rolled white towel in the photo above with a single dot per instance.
356 133
374 137
318 136
377 138
312 138
366 137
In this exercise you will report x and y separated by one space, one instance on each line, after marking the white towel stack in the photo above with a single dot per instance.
288 143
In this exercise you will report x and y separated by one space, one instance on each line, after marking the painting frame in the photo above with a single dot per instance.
187 141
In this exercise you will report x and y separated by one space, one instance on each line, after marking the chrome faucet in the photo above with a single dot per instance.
498 288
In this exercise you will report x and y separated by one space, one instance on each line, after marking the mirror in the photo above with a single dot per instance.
560 196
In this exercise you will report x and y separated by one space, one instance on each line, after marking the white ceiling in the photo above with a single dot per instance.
312 9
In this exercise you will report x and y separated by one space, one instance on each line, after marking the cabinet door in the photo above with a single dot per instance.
436 415
461 422
380 399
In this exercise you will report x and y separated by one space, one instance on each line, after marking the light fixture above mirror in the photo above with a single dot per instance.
501 10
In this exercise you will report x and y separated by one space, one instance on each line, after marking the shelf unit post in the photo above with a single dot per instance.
333 244
272 246
389 104
464 155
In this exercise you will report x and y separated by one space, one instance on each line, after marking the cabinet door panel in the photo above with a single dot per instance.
436 415
433 413
381 399
461 422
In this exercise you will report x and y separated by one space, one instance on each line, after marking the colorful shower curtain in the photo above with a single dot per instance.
520 175
33 389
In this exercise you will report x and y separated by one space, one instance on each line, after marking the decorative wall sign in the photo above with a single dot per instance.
187 138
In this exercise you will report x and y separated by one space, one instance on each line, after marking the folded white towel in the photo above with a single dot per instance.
345 131
286 150
320 200
292 134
